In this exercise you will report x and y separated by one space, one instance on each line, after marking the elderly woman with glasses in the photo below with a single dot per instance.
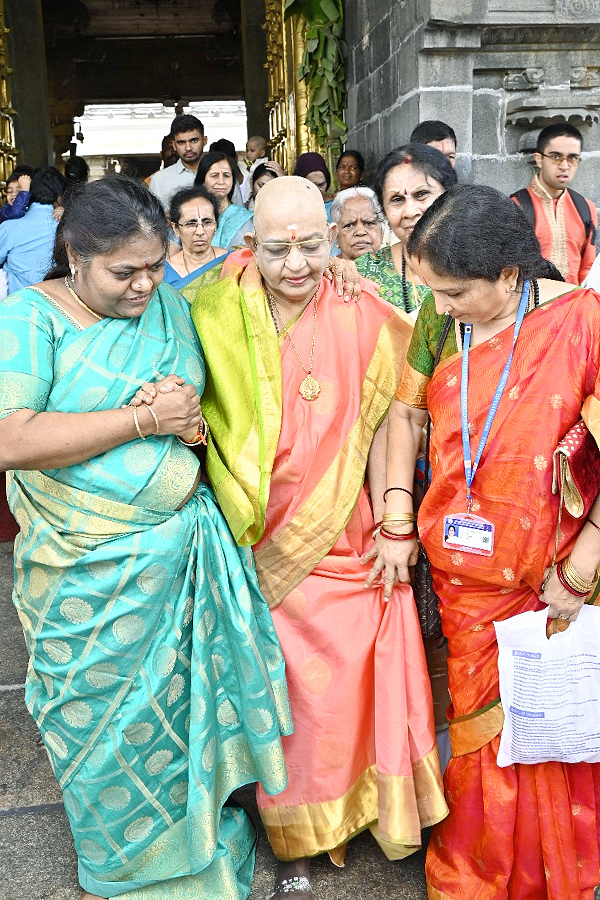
194 217
358 218
297 421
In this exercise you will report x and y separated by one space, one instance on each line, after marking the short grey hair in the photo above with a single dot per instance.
342 198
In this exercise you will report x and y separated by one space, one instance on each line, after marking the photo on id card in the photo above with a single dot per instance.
471 534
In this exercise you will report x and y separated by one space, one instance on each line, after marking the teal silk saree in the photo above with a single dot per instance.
155 674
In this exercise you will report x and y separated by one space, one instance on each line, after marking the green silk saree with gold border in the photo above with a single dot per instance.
155 675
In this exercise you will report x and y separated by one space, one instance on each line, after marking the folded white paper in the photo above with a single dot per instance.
550 689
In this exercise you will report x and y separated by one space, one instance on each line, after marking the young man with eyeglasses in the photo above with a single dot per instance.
565 222
187 134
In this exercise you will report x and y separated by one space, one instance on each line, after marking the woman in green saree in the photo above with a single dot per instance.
155 675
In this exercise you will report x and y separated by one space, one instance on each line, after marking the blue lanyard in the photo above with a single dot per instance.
470 467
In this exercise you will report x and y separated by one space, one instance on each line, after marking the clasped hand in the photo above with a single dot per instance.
391 562
176 404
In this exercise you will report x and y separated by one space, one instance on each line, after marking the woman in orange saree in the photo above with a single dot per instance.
525 832
289 470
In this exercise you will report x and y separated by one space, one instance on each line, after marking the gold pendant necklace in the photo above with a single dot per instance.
309 386
80 301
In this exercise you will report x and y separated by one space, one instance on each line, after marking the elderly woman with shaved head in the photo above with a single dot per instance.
297 393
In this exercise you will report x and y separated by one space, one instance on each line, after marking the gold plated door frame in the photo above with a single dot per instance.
288 97
8 151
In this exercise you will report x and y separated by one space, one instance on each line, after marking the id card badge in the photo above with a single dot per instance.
471 534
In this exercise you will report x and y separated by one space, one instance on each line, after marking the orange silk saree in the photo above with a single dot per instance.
363 753
522 832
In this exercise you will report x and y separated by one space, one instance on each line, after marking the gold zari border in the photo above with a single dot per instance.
470 734
434 894
412 389
404 805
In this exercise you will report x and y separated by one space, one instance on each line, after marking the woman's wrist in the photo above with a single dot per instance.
145 421
585 563
197 435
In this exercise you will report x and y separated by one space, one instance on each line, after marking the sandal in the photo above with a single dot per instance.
290 886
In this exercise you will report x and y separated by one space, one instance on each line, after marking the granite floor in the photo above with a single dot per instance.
37 860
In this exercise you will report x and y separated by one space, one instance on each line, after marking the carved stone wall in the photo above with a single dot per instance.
496 70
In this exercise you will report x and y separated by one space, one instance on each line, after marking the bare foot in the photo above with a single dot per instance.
293 881
86 896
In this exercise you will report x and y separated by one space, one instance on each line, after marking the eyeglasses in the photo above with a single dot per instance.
192 224
281 249
572 159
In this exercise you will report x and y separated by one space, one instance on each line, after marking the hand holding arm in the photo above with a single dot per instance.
343 275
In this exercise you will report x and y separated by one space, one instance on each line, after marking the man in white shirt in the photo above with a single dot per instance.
187 133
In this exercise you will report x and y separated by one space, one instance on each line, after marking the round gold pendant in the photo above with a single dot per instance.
309 388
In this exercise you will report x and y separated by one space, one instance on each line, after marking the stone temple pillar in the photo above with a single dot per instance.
256 81
496 70
27 56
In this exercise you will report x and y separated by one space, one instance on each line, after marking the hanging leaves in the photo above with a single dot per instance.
323 68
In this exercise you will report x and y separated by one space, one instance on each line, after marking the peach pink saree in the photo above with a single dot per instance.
363 753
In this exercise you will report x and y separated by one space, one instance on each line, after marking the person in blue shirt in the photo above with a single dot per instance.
26 244
17 194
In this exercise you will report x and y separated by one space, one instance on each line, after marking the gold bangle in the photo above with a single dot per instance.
137 424
391 529
398 517
574 579
155 417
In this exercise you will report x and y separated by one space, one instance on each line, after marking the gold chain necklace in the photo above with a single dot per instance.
309 386
80 301
185 265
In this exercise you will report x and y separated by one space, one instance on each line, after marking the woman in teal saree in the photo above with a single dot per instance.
155 675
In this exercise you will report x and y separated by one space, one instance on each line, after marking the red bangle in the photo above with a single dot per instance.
398 537
566 585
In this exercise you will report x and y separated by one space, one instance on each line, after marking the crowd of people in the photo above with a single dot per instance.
234 378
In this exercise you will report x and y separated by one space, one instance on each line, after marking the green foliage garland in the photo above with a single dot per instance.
323 68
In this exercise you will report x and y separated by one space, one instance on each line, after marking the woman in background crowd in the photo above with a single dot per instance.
407 182
262 174
216 173
349 170
358 218
313 167
194 215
